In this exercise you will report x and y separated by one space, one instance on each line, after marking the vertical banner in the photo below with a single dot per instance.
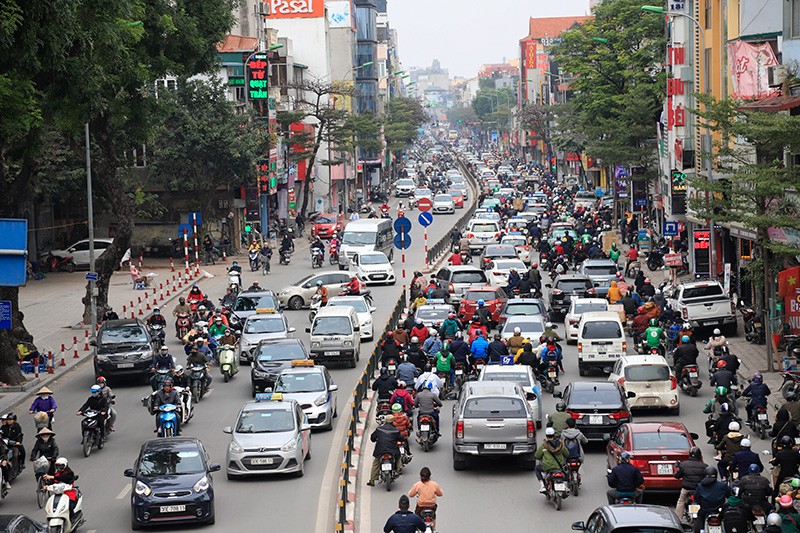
748 69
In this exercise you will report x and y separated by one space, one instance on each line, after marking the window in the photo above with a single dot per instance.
702 291
707 71
331 325
660 440
498 407
366 24
647 373
708 14
794 30
81 247
601 330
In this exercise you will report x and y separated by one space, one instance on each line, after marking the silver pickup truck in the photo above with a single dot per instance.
493 418
704 304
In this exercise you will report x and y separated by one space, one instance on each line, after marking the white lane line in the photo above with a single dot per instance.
92 531
124 492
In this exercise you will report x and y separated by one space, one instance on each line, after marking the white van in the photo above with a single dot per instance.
366 235
481 232
335 336
601 341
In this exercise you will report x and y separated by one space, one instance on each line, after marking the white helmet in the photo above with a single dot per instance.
745 443
734 426
432 332
548 325
717 331
61 461
414 339
549 432
517 330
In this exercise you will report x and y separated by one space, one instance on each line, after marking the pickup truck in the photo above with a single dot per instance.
704 304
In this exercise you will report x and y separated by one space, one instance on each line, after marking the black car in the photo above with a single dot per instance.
270 358
172 483
19 523
598 407
564 289
123 349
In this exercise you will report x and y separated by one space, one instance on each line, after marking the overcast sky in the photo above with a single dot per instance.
464 34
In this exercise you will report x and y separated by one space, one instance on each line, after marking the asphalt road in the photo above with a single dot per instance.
287 503
497 494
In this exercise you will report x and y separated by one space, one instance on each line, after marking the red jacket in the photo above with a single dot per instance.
404 398
420 332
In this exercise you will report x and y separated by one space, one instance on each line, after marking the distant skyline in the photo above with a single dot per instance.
462 36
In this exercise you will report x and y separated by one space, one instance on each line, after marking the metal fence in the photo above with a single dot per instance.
443 244
359 394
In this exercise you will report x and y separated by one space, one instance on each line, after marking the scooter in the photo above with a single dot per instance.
753 326
228 362
284 256
557 488
167 420
333 254
316 303
426 436
760 422
55 263
234 282
255 260
158 335
428 516
383 409
161 375
388 470
183 324
316 258
91 431
690 380
714 523
59 517
574 467
551 377
197 381
460 376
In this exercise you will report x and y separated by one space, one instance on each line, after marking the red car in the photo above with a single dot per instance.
656 448
326 224
458 197
494 298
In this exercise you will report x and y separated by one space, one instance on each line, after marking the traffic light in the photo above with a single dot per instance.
248 228
553 164
263 185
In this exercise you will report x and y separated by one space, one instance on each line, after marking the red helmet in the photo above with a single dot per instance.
721 363
536 265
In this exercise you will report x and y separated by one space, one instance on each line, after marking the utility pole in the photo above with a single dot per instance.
90 216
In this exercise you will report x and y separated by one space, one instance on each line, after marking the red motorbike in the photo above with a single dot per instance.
55 263
183 324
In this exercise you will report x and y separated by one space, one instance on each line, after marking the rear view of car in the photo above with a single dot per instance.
601 341
482 232
598 408
577 308
650 378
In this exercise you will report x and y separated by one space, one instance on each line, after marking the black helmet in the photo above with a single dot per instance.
384 371
710 471
561 407
428 367
695 453
417 273
787 441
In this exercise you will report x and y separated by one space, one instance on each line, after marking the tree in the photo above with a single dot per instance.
402 123
461 115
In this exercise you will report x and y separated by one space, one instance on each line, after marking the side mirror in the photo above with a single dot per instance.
308 330
558 394
630 394
373 309
214 467
292 329
694 436
578 526
531 396
92 342
356 328
129 472
227 429
334 388
549 286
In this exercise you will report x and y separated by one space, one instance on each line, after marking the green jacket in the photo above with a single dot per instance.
552 454
444 361
614 254
449 327
558 421
215 329
787 525
653 336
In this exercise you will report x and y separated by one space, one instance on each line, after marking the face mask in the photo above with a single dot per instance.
45 438
45 396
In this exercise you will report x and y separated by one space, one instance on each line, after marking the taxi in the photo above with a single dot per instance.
433 313
520 244
313 388
271 436
266 324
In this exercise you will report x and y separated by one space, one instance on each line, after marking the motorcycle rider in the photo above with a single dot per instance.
476 327
390 349
228 338
286 245
156 319
654 335
450 326
792 406
729 445
743 459
322 291
427 403
404 521
551 454
479 348
684 355
419 331
167 395
445 362
550 332
716 340
403 425
161 361
402 396
558 420
757 391
45 446
574 440
428 376
418 285
551 353
179 378
318 247
624 479
385 384
755 489
97 402
217 328
484 314
496 350
255 286
647 290
710 494
182 307
790 519
426 490
786 460
407 372
386 438
352 287
229 299
723 377
196 358
516 341
432 344
195 296
460 350
12 431
691 472
44 403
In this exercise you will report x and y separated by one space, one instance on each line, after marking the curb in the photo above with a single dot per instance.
356 461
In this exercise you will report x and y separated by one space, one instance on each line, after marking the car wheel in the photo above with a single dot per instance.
352 362
213 520
581 371
295 303
459 461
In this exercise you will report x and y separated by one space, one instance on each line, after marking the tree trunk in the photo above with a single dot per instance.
310 169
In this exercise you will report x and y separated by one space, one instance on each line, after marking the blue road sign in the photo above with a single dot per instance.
641 202
91 276
13 251
402 241
195 218
188 228
670 229
5 314
425 219
506 360
402 225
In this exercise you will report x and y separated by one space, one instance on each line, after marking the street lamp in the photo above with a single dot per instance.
274 47
364 65
398 72
601 39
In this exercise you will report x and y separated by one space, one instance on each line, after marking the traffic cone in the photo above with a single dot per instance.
171 265
76 356
148 307
133 315
140 312
167 293
224 255
51 362
86 341
124 310
63 362
63 348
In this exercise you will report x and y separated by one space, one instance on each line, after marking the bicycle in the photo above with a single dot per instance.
40 467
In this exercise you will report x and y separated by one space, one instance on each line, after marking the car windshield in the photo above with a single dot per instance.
443 198
500 251
702 291
325 219
281 352
373 259
585 196
265 421
358 304
331 325
646 372
517 377
519 266
405 183
123 335
601 329
600 270
431 314
251 303
529 328
265 325
170 462
531 308
660 440
495 407
358 237
483 228
514 242
422 193
588 308
480 295
306 382
469 277
572 285
595 396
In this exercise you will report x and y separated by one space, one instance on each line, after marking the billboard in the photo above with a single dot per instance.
287 9
748 65
340 14
530 55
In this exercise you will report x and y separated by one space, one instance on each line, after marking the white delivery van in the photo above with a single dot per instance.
601 341
335 336
366 235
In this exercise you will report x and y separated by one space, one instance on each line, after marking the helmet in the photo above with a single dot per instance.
791 396
757 376
549 432
401 384
217 319
787 441
721 391
61 461
429 385
647 280
168 381
95 389
396 408
535 265
795 483
624 457
517 330
432 332
182 300
481 303
418 321
164 349
785 500
417 273
428 367
725 408
774 519
561 407
548 325
710 471
156 309
654 322
384 371
754 469
100 380
415 339
201 307
721 363
717 331
746 443
178 369
685 338
734 426
695 453
319 283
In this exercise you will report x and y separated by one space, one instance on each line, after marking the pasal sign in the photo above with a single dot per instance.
296 8
257 76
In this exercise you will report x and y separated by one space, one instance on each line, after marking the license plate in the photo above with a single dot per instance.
494 446
694 509
664 470
478 367
759 521
261 461
561 487
172 508
425 427
125 365
392 368
483 239
459 372
551 374
693 374
595 420
331 353
386 467
712 322
714 529
762 416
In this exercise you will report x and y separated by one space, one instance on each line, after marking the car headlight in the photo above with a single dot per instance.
259 373
146 355
367 323
315 344
142 489
289 446
234 447
349 344
322 400
202 485
102 358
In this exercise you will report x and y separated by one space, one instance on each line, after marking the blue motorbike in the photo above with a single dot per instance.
167 420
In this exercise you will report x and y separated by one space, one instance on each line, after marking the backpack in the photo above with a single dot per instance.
573 448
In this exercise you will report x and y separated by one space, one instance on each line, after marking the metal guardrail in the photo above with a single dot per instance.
359 394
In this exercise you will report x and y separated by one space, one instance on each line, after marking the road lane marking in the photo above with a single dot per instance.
124 492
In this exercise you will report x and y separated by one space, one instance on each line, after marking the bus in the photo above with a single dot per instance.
453 134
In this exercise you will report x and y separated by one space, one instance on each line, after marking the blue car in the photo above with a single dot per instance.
172 483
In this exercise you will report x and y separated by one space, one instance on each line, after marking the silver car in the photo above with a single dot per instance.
602 272
262 326
523 375
313 388
298 294
531 327
444 203
271 436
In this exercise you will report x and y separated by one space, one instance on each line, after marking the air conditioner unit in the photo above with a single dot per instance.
776 75
262 8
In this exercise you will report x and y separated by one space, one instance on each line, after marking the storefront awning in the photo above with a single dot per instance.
773 104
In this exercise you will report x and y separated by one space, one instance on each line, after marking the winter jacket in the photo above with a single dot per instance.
692 472
496 350
427 402
754 489
723 378
384 386
686 354
460 350
743 459
558 421
736 515
43 404
404 398
432 345
710 494
420 332
479 348
404 522
450 327
407 372
625 478
788 461
552 454
389 350
731 444
47 449
402 423
614 294
573 441
758 392
385 438
515 342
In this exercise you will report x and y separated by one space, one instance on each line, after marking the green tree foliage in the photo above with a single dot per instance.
493 107
461 115
618 85
405 117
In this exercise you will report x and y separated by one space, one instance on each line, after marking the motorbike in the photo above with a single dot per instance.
753 325
15 461
56 263
366 294
655 260
228 362
197 381
557 488
791 382
59 517
254 257
316 303
385 211
428 516
477 367
183 324
333 254
91 431
167 420
714 522
690 380
161 375
234 282
551 377
760 422
466 257
388 470
427 436
391 366
316 258
633 269
284 256
158 334
692 509
384 408
460 376
573 469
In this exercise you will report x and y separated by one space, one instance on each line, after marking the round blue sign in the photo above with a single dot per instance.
402 225
425 219
402 241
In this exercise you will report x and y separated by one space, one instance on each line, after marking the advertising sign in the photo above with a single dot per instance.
748 65
258 76
621 181
530 55
340 13
290 9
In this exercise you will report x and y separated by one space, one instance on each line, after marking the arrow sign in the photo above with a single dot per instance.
402 241
91 276
425 219
670 229
402 225
424 204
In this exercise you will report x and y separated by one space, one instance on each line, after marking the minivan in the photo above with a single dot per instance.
335 336
601 341
366 235
122 349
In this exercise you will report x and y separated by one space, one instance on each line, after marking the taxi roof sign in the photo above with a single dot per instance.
302 362
265 310
436 300
269 397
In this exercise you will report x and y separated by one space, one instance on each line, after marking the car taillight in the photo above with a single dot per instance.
619 415
527 247
592 291
573 414
450 288
574 321
621 381
580 346
470 235
714 521
624 346
460 430
641 464
556 291
531 429
673 383
685 313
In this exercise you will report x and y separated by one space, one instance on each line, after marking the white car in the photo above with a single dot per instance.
363 311
80 251
404 187
520 244
266 324
577 307
650 380
531 327
313 388
443 203
420 193
497 271
521 374
374 268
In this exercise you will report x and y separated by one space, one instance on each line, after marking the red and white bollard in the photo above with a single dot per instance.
171 265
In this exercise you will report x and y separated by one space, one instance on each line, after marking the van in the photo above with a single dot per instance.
366 235
335 336
601 341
